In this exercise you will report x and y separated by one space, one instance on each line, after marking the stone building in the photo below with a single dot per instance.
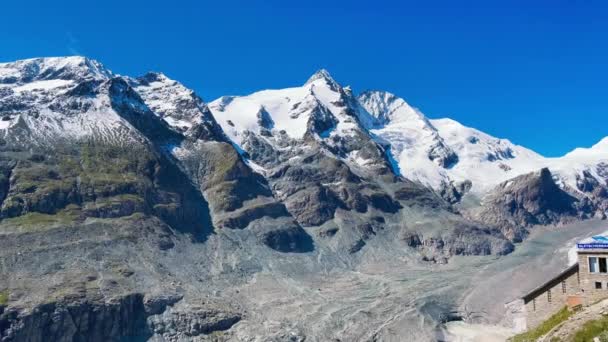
581 284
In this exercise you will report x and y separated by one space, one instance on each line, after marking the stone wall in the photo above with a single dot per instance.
588 280
551 297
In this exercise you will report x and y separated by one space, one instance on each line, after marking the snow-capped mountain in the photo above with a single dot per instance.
309 143
439 152
75 106
442 154
434 152
132 195
320 110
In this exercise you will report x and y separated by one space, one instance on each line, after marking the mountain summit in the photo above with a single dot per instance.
322 75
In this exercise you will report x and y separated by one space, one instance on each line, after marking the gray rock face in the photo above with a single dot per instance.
594 189
443 155
453 193
124 318
530 200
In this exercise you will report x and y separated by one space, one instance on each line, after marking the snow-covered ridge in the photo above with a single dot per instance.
386 108
35 92
589 153
434 152
288 111
176 104
52 68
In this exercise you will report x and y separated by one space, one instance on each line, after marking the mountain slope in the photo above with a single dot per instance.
456 160
320 159
439 152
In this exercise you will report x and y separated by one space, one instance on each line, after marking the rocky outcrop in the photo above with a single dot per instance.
442 155
175 326
77 321
464 239
453 192
528 200
289 238
595 187
125 318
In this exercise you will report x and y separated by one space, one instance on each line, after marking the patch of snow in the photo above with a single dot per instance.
483 159
240 115
255 167
177 123
5 124
43 85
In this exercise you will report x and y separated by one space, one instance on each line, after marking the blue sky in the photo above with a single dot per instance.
535 72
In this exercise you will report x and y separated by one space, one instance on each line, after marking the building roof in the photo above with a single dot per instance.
594 242
549 284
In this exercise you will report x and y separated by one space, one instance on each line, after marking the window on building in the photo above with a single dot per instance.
549 296
564 286
598 285
593 268
534 304
598 265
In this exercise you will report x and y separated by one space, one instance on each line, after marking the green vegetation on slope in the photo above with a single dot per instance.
3 297
37 221
110 179
591 329
543 328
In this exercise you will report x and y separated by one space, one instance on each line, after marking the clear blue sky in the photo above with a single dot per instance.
535 72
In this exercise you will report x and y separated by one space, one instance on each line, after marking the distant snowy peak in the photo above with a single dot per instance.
485 160
323 76
169 99
414 142
318 107
386 108
74 68
181 108
441 152
77 96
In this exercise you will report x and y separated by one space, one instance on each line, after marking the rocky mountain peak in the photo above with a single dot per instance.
323 76
177 105
385 107
153 76
531 199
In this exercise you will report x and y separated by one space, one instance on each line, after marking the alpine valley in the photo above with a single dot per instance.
130 209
